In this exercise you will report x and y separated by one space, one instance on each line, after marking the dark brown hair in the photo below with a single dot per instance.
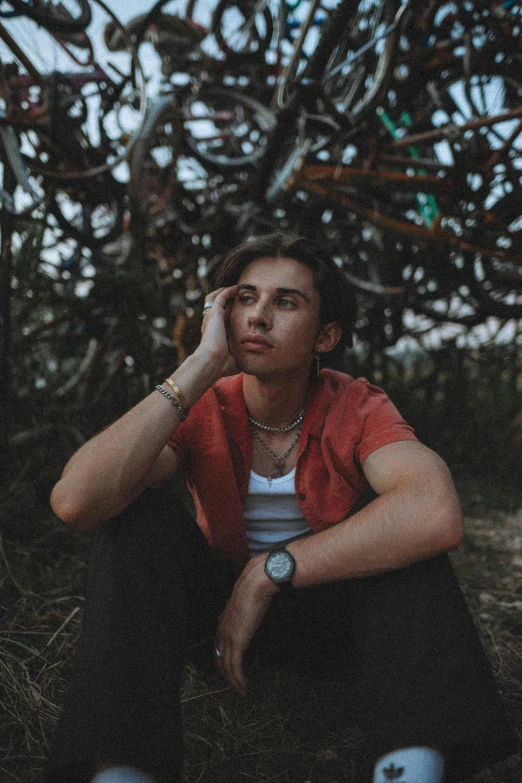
337 297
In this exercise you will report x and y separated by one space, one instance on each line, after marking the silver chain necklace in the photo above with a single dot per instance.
266 428
279 461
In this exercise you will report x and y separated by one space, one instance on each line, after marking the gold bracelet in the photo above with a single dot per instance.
178 393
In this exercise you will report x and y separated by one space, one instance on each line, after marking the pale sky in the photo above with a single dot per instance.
126 9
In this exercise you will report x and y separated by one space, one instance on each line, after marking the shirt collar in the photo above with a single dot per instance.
319 400
229 393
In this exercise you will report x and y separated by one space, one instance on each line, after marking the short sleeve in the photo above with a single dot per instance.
179 446
381 423
191 432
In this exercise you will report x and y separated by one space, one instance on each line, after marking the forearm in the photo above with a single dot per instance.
407 524
110 470
403 526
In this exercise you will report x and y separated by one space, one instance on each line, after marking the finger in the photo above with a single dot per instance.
218 302
223 667
233 669
223 662
225 299
238 677
222 297
207 307
208 303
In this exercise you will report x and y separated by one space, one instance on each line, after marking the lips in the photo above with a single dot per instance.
255 341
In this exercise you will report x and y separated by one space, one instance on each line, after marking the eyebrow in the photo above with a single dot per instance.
296 291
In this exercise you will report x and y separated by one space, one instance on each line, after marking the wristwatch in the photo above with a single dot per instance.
280 567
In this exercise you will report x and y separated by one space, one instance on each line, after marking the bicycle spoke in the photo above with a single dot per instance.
225 128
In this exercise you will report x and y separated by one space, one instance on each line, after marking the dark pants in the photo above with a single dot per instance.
405 640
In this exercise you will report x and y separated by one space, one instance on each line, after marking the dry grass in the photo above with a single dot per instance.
41 606
282 731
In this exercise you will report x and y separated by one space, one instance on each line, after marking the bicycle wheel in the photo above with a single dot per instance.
76 106
166 41
153 161
226 129
493 29
201 11
90 211
65 15
245 28
494 274
355 248
358 70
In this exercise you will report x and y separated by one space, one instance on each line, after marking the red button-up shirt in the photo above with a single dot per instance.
345 421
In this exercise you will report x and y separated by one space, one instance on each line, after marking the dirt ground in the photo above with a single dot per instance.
489 566
266 737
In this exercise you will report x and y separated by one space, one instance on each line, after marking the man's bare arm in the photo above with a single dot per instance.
416 515
113 468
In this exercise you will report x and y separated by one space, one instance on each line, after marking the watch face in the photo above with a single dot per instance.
280 566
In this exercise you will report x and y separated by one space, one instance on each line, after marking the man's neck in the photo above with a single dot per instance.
274 402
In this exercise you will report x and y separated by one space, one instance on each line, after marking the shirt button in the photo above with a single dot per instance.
301 496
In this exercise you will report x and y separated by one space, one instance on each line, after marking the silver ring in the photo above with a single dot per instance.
218 653
207 305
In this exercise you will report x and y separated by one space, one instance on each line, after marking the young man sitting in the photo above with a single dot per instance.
323 527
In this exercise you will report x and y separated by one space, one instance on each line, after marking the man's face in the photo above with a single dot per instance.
274 320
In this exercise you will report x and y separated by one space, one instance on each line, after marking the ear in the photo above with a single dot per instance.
328 337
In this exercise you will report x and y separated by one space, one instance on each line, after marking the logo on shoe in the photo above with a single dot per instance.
394 773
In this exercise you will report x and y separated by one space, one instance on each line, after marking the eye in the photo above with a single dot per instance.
245 298
288 304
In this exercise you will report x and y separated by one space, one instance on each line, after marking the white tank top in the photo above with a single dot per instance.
272 514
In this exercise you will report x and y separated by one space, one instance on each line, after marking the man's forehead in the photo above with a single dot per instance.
279 273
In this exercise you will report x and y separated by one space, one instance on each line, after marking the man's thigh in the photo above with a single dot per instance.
410 656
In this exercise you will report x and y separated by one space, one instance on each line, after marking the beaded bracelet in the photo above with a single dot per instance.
178 393
173 401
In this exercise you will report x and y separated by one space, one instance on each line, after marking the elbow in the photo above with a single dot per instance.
451 527
70 511
454 534
448 518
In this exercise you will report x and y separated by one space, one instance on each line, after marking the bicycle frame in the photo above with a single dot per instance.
9 141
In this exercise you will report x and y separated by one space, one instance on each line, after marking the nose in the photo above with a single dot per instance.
259 315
